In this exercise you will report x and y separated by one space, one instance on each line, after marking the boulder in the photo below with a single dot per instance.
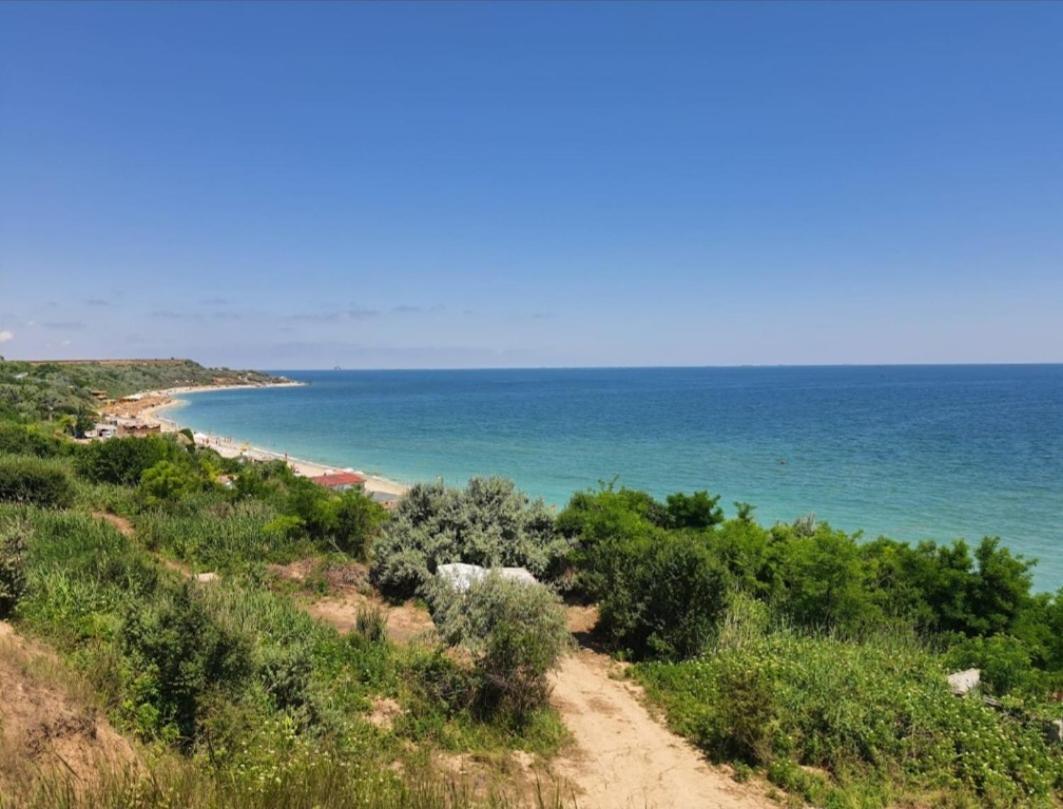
204 578
461 576
963 682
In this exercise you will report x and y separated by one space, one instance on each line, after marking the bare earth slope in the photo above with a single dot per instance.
45 724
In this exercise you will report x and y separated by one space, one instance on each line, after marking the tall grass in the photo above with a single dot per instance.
212 533
321 782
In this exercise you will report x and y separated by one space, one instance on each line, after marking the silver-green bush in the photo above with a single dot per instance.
489 523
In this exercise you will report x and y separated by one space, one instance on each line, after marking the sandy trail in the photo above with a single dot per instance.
624 758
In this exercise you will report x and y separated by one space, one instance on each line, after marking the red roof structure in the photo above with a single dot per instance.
339 480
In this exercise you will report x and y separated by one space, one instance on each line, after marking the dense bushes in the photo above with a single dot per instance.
182 657
815 576
124 460
489 523
167 482
660 596
874 715
514 631
23 439
34 481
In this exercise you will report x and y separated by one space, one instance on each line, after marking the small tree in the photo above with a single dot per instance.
489 523
699 510
124 460
168 482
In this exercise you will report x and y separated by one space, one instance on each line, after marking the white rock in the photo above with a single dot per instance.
963 682
203 578
462 576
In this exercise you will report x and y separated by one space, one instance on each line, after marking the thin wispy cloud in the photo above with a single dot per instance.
6 335
64 325
335 316
97 302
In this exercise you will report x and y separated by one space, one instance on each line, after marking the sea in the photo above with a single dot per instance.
909 452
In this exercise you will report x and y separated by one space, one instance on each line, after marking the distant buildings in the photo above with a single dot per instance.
340 481
102 431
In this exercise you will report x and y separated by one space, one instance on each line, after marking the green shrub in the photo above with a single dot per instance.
660 596
12 564
699 510
168 482
124 460
1003 660
183 657
489 523
23 439
515 632
34 481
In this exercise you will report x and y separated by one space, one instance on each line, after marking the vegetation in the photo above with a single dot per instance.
489 523
822 659
846 723
33 480
809 654
12 566
515 632
53 391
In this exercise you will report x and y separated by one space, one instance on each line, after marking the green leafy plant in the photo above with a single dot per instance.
35 481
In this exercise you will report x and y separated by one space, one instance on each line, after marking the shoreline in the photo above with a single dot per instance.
154 403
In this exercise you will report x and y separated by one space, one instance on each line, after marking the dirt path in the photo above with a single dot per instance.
121 524
621 757
624 758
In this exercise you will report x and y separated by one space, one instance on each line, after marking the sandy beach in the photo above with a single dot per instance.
151 406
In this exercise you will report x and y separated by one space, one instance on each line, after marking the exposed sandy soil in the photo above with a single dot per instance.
123 526
405 622
623 758
45 725
349 592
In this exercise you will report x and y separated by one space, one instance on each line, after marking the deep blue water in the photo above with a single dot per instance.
911 452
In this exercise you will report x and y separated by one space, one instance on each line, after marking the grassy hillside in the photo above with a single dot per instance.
32 391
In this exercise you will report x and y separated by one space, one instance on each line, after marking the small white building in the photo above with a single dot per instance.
102 430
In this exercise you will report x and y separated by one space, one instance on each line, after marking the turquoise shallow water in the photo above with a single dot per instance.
911 452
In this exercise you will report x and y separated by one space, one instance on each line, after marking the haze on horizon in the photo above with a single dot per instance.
463 185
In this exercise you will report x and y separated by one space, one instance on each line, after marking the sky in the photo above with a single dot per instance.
546 184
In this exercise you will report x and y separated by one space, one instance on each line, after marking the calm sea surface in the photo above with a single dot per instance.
911 452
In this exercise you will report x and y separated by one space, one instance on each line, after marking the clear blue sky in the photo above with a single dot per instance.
477 184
